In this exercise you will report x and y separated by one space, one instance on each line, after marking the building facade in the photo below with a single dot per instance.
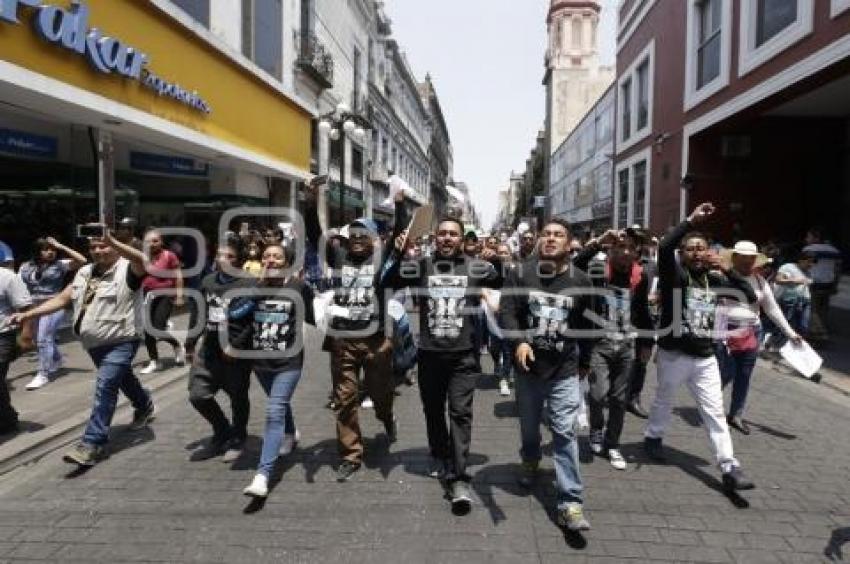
178 146
750 112
440 154
581 172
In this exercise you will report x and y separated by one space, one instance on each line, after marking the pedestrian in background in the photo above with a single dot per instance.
14 297
45 277
107 302
792 287
163 273
825 273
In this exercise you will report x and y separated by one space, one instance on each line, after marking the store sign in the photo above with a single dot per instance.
68 28
27 144
166 164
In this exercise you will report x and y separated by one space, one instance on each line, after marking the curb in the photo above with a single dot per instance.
32 447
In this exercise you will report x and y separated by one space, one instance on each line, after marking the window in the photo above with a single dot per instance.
839 7
708 48
576 34
626 102
262 34
639 194
356 163
772 16
636 88
385 153
623 199
633 190
643 95
198 9
374 147
768 27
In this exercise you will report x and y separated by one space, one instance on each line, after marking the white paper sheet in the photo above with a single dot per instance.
802 358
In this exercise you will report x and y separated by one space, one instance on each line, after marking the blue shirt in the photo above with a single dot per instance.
44 281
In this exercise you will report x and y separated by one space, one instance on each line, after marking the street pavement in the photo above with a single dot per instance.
149 503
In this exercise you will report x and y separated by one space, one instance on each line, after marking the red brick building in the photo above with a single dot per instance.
745 103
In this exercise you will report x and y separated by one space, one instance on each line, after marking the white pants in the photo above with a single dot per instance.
702 376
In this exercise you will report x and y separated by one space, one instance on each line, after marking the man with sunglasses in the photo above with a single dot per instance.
690 286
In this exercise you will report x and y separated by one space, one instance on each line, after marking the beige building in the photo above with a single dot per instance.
574 78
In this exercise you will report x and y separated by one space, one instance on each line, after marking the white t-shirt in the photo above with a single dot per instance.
13 296
791 270
824 270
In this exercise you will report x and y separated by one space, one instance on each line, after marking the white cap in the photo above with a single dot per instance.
746 248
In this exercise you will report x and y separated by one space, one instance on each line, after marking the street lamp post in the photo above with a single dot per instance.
341 124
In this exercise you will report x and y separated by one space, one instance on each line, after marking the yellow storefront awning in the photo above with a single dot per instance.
157 66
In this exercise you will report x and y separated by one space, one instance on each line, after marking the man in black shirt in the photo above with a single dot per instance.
357 339
545 307
446 287
690 287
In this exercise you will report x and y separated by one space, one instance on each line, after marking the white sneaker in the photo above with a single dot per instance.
596 440
151 367
179 355
289 442
38 381
504 388
258 488
616 459
367 403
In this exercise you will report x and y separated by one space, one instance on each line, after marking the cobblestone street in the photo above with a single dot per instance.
149 503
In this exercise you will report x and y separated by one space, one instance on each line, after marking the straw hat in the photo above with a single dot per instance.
747 249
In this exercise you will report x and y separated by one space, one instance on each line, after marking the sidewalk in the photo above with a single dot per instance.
62 407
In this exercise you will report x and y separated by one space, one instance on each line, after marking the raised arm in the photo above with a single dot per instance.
136 258
77 258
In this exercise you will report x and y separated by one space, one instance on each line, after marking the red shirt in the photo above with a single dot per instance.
166 260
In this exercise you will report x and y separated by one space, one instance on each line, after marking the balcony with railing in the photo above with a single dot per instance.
316 61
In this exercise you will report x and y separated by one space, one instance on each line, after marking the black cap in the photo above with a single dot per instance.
471 236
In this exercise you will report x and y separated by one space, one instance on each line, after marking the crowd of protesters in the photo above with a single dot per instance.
552 310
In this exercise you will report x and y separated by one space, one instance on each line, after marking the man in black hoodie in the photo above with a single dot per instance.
446 288
357 339
690 287
545 308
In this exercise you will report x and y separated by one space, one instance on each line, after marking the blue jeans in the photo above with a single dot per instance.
114 373
798 312
279 387
49 356
736 367
562 397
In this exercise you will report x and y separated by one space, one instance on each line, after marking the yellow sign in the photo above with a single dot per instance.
184 79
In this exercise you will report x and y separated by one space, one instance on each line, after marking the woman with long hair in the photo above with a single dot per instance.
283 303
44 277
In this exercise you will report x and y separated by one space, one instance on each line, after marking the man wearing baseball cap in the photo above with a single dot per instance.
357 338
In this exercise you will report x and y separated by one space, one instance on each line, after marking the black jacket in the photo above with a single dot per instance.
689 300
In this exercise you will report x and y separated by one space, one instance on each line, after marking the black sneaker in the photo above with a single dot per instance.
392 430
216 447
346 470
461 498
85 455
528 474
9 427
654 449
735 480
739 424
142 417
635 408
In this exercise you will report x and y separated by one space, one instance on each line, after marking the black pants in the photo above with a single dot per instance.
160 311
611 370
449 377
8 415
210 374
638 379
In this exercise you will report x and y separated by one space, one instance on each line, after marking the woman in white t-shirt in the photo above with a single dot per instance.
738 352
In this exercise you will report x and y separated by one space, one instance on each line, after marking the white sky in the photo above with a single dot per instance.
486 61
